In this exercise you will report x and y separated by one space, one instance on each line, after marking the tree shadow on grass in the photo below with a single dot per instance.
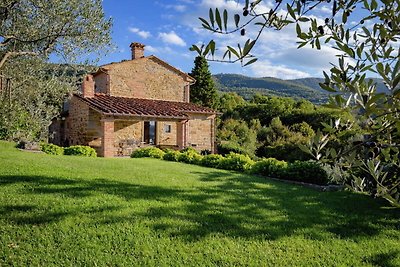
224 203
383 259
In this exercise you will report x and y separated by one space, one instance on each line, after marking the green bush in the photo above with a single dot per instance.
307 171
148 152
51 149
211 160
226 148
287 152
190 156
85 151
236 162
270 167
171 155
189 149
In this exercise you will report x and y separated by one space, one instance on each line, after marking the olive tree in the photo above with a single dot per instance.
366 34
31 31
40 27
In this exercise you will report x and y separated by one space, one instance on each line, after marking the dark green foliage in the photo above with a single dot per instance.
171 155
236 162
85 151
212 160
288 152
280 142
148 152
307 171
227 147
203 92
51 149
237 136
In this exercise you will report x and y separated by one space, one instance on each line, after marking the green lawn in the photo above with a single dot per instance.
72 211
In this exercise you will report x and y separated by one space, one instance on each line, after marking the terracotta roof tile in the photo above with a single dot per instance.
113 105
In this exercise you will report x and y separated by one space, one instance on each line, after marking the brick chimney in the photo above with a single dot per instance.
137 50
88 86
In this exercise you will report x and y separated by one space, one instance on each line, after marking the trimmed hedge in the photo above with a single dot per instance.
190 156
85 151
211 160
301 171
171 155
51 149
308 172
226 148
236 162
148 152
270 167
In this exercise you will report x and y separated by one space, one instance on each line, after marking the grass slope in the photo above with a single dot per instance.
68 211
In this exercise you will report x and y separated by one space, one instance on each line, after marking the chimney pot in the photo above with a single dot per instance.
137 50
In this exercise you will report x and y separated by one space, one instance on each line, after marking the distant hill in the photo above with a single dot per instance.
307 88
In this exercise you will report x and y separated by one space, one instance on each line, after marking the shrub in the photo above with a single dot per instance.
189 149
211 160
190 156
287 152
307 171
148 152
51 149
236 162
205 152
270 167
226 148
171 155
85 151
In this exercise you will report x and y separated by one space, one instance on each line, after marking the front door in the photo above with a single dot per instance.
149 132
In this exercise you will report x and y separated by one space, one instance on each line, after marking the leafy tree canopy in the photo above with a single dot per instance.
40 27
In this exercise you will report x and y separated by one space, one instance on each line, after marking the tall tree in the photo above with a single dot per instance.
203 92
366 34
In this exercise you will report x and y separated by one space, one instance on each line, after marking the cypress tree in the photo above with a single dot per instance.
203 92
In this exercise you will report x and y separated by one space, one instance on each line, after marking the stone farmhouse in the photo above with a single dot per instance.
132 104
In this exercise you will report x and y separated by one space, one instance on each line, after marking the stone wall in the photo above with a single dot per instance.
165 139
128 136
200 132
144 78
77 122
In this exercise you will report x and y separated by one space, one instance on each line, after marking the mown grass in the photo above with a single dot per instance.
72 211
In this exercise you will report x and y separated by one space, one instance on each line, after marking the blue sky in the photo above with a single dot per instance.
169 27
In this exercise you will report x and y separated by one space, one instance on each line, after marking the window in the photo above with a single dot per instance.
149 133
167 128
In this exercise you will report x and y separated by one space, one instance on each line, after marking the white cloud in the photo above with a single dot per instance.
171 38
222 4
143 34
266 69
151 49
179 8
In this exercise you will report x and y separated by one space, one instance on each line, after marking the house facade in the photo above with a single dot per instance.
132 104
